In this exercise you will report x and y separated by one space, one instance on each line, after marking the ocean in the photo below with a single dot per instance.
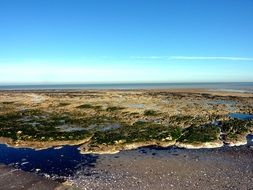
235 86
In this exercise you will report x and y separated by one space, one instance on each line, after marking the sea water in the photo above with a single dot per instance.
237 87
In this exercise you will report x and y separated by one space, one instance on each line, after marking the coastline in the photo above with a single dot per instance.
134 169
220 86
114 149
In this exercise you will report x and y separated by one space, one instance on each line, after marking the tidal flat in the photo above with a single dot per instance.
105 121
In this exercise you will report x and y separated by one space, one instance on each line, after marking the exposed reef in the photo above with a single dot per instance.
111 121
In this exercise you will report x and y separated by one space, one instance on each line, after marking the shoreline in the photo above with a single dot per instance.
242 87
196 90
134 169
114 149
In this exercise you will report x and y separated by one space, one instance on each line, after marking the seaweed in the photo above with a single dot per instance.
114 108
29 125
138 132
89 106
63 104
7 103
150 113
38 125
234 128
85 106
200 134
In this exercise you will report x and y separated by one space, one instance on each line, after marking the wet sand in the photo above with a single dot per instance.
14 179
151 168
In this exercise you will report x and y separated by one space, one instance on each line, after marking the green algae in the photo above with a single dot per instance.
138 132
38 125
200 134
235 128
150 113
35 125
114 108
89 106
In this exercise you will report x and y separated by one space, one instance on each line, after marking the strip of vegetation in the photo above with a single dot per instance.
63 104
42 126
7 103
114 108
150 113
85 106
89 106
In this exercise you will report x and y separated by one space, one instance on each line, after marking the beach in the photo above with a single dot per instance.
128 139
175 169
15 179
126 95
148 168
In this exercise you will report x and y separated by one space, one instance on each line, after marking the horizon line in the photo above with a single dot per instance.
114 83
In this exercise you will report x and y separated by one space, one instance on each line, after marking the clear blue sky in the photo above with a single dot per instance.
126 41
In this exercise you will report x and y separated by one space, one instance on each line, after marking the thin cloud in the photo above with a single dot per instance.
211 58
194 58
149 57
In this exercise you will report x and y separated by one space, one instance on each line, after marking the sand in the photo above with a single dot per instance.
14 179
174 169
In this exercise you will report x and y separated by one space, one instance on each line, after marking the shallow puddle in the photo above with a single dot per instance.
241 116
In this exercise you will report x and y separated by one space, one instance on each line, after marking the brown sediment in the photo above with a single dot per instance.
39 145
216 144
113 149
240 142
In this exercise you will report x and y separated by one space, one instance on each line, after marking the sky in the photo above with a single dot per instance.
105 41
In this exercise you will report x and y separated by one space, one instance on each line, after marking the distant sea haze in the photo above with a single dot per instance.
236 86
